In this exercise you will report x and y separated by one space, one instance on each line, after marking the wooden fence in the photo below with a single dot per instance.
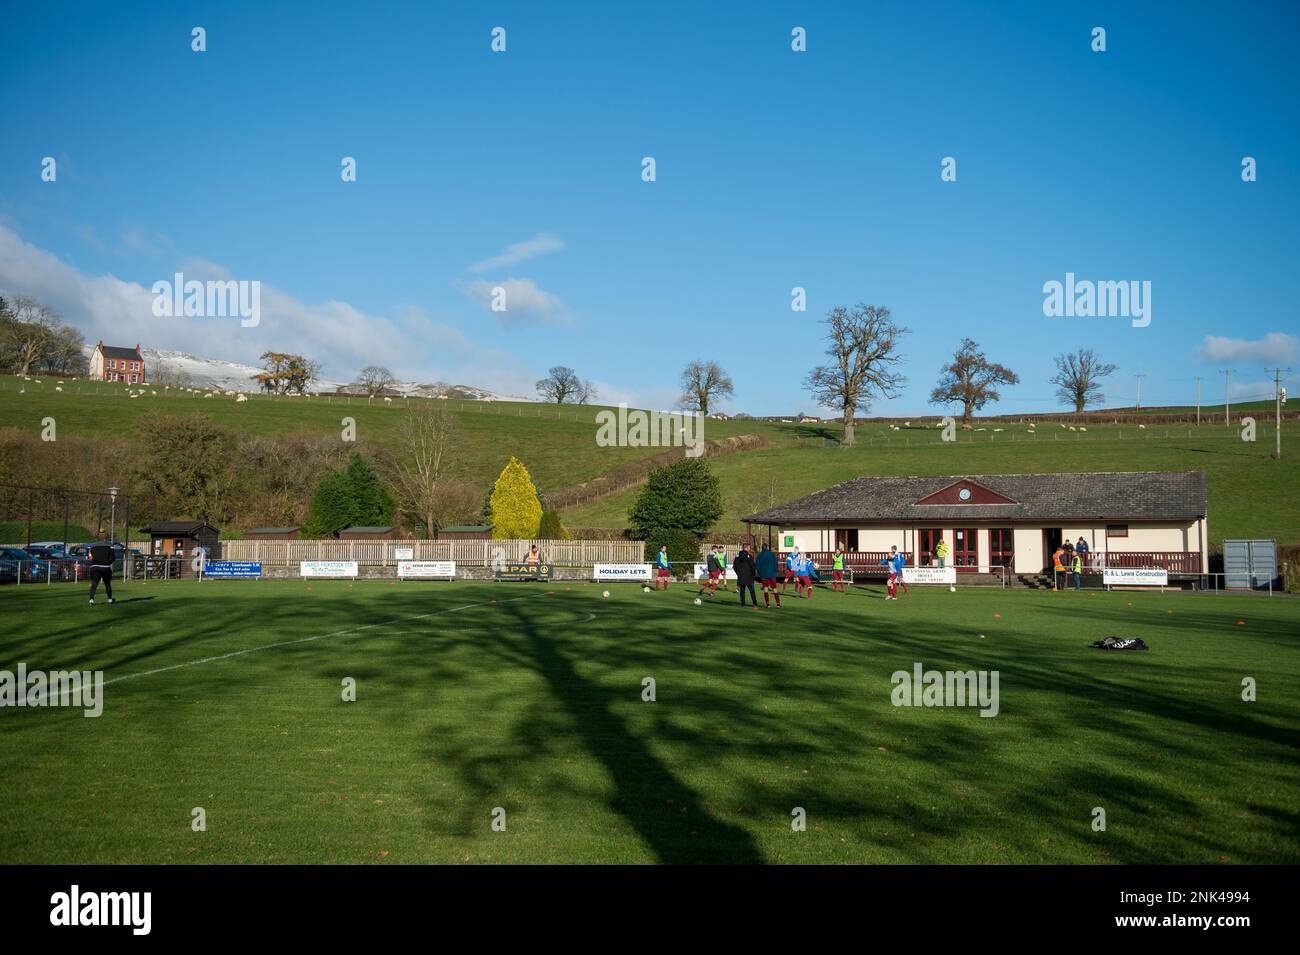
471 553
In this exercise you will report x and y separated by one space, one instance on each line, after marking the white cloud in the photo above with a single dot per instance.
539 244
1275 346
523 300
336 333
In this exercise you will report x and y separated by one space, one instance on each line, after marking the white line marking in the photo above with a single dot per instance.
319 636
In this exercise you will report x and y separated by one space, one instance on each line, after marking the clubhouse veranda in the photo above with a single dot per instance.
1152 519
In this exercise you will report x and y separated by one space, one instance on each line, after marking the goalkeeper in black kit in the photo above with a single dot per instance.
101 568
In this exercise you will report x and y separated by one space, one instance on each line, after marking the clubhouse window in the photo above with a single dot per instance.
1117 530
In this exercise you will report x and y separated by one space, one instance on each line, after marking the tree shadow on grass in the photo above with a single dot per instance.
669 817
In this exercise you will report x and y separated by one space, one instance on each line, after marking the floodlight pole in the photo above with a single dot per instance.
1227 416
1198 401
112 513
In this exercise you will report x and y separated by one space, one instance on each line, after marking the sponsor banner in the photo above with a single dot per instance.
621 572
426 568
930 575
522 571
232 568
1135 576
403 553
327 568
702 570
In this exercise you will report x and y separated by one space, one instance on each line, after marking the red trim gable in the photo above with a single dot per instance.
978 495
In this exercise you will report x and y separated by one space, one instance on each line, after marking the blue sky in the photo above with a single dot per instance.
775 169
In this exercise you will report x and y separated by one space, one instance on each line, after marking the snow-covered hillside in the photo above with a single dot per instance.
161 365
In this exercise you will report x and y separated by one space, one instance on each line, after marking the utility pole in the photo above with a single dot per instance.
1198 401
1227 419
1139 394
1278 397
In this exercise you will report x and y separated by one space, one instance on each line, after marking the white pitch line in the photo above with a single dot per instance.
319 636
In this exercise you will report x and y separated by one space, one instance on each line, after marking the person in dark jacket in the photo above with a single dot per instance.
766 566
101 568
745 570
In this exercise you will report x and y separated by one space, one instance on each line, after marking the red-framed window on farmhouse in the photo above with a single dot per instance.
930 537
965 547
1002 551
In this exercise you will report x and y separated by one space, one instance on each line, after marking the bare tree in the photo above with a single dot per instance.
373 379
301 373
164 373
562 384
860 344
65 353
423 474
29 334
703 382
1078 378
971 379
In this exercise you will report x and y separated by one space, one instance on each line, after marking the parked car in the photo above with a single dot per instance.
81 553
14 563
60 546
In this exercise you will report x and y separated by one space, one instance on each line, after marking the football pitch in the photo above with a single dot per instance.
508 723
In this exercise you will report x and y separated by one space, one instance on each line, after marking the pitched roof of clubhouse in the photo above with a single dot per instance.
1095 495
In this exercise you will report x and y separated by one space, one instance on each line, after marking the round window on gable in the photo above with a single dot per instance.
964 494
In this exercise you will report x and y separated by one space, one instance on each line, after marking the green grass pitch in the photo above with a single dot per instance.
227 696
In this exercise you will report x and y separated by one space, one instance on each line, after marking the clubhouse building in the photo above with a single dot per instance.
1149 519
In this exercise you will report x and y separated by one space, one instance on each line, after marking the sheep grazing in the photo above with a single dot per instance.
240 398
387 400
58 387
1081 428
1072 428
996 430
907 424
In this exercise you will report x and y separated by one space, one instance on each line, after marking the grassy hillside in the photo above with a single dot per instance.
15 532
557 444
1250 494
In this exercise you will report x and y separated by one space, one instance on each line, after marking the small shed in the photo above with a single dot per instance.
369 534
272 534
466 532
1250 565
180 538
